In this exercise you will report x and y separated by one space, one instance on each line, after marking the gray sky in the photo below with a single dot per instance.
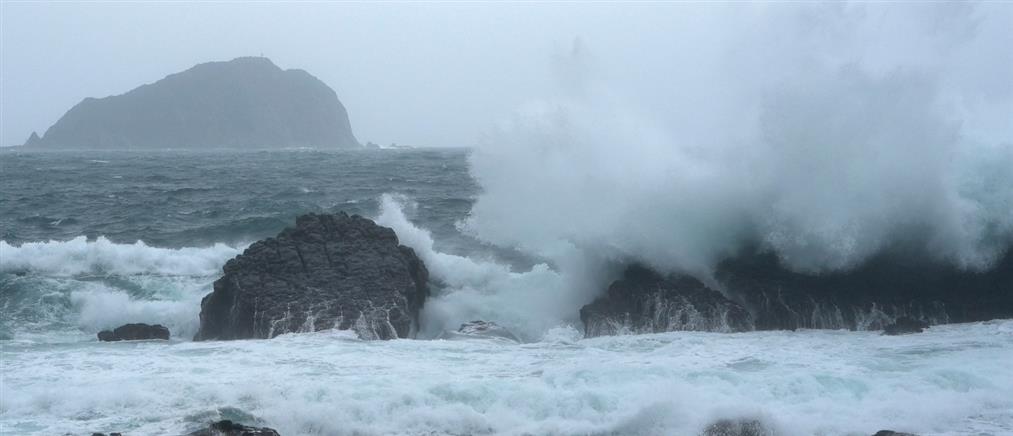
444 74
431 74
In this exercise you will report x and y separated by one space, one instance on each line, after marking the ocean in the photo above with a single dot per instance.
93 240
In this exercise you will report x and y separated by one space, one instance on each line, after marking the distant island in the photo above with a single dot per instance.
248 102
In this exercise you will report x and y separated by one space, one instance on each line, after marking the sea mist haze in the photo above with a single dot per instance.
828 137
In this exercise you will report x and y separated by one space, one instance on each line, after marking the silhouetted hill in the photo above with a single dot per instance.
247 102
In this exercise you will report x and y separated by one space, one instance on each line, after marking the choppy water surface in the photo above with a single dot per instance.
94 240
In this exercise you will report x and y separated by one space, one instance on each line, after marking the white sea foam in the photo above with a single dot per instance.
528 303
80 256
951 380
80 287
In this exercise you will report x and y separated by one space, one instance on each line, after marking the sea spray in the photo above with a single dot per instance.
793 133
528 302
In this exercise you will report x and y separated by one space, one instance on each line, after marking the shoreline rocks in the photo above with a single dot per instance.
329 271
229 428
893 293
646 302
134 332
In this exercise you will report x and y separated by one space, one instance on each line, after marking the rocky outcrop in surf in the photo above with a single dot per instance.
646 302
229 428
329 271
870 297
738 427
891 293
244 103
134 332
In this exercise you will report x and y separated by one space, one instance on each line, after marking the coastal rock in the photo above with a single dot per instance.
646 302
229 428
891 292
738 427
869 297
244 103
905 325
329 271
892 433
134 332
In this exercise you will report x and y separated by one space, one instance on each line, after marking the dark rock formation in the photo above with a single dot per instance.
243 103
869 297
229 428
110 434
329 271
135 332
645 302
481 329
892 433
738 427
886 290
905 325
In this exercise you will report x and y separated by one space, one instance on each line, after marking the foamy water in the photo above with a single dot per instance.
57 294
951 380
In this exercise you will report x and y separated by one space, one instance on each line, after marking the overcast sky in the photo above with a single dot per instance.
443 74
432 74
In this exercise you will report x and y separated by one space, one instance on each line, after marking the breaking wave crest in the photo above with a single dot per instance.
102 256
58 288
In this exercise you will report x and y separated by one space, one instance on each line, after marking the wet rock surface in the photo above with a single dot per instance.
134 332
869 297
738 427
229 428
646 302
329 271
889 293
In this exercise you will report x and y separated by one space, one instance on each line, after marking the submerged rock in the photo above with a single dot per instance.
134 332
738 427
329 271
229 428
905 325
892 433
481 329
646 302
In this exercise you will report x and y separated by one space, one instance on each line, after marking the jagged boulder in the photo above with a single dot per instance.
329 271
134 332
229 428
646 302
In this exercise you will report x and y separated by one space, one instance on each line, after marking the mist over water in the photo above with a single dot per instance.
824 134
